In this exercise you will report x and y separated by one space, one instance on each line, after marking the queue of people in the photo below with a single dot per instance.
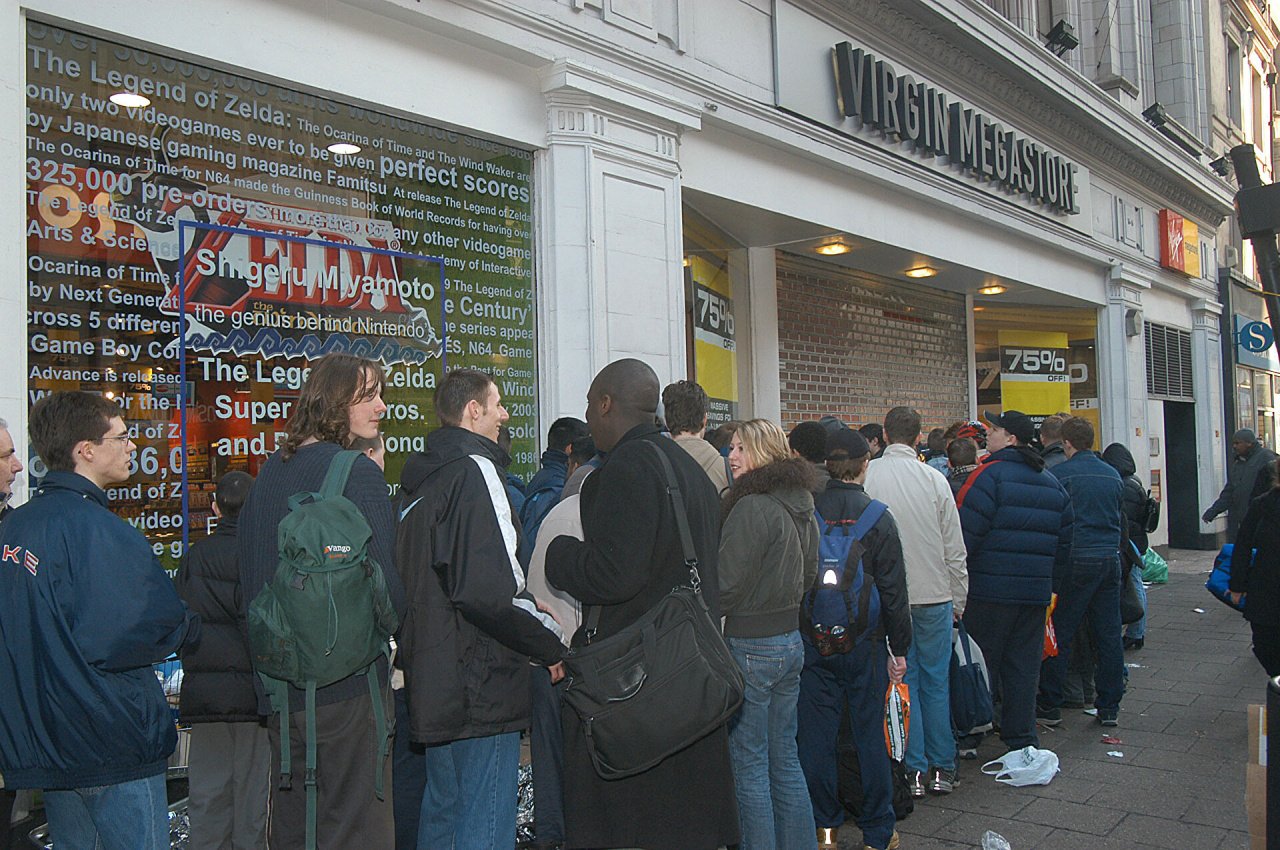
839 558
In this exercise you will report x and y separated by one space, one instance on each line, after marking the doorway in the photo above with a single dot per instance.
1182 478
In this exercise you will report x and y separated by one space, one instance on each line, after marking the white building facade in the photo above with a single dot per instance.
810 207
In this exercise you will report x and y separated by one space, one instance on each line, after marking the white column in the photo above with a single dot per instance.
763 361
1206 382
13 247
1122 364
610 282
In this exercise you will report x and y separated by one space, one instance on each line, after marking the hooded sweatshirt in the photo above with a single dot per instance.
768 549
1135 495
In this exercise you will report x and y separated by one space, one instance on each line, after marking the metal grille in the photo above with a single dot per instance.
1168 362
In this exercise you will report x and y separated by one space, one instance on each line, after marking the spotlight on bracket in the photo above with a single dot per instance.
1062 38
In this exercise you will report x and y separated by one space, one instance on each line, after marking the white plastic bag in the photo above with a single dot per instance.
1027 766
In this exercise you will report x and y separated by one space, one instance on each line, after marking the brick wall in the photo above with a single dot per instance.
855 345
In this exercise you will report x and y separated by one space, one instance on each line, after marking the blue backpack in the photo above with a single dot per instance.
1220 577
843 595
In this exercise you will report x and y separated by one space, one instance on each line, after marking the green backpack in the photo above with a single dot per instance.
326 615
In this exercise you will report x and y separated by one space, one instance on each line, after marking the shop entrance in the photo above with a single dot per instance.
1182 480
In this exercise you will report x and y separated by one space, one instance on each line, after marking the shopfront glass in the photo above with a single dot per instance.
1038 360
191 257
1257 400
712 324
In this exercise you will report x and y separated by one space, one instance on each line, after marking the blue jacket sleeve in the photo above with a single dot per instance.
978 511
125 611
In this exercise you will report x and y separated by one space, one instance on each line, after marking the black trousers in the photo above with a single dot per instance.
348 814
1012 641
1266 647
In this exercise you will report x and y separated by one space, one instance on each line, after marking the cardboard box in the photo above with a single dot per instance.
1255 789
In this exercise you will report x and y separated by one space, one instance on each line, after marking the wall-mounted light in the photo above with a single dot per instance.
129 100
834 247
1062 38
1157 116
992 289
1221 166
344 149
921 271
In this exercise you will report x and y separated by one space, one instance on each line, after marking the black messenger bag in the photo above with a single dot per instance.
660 684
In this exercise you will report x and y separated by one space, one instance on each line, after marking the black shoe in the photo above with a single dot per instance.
915 783
1109 717
1134 643
942 781
1049 716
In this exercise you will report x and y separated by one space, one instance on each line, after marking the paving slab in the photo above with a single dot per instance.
1180 782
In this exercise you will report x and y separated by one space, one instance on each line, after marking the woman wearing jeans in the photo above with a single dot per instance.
768 559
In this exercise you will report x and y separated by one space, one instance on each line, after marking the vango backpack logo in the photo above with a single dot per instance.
336 550
21 557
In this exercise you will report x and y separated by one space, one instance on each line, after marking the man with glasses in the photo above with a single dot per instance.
85 609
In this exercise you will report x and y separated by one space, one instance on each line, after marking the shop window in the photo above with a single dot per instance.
712 324
192 251
1038 360
1168 362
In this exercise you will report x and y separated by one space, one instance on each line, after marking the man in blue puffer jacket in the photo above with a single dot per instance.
85 609
1017 523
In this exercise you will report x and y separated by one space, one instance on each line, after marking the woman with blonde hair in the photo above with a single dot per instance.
768 559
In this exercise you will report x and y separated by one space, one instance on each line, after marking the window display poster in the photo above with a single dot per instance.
1034 374
714 338
191 257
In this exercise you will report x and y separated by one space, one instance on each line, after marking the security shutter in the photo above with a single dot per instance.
1168 363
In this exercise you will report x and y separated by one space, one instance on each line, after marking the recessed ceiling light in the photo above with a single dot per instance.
129 100
344 148
993 289
921 271
834 248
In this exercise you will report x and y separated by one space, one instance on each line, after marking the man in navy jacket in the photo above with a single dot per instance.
1017 523
1092 583
85 609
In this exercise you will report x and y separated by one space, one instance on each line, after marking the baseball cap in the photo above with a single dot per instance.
1016 423
848 442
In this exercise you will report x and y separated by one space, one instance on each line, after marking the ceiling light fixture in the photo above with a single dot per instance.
921 271
344 149
129 100
992 289
833 248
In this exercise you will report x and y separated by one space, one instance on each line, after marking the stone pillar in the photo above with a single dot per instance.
1122 365
609 243
1206 382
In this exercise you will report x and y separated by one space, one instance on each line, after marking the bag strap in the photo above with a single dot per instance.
963 634
339 470
686 542
973 476
278 696
309 780
867 520
381 740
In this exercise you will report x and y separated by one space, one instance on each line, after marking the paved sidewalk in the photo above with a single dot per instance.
1180 782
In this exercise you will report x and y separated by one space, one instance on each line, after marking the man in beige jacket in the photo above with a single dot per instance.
685 406
933 551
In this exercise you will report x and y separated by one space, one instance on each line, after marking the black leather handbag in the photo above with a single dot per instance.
658 685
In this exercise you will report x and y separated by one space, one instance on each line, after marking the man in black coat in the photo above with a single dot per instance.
229 764
630 559
1246 479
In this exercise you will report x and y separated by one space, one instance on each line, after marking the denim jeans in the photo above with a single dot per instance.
470 801
546 752
408 778
773 802
929 739
1092 586
126 816
1138 630
859 677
